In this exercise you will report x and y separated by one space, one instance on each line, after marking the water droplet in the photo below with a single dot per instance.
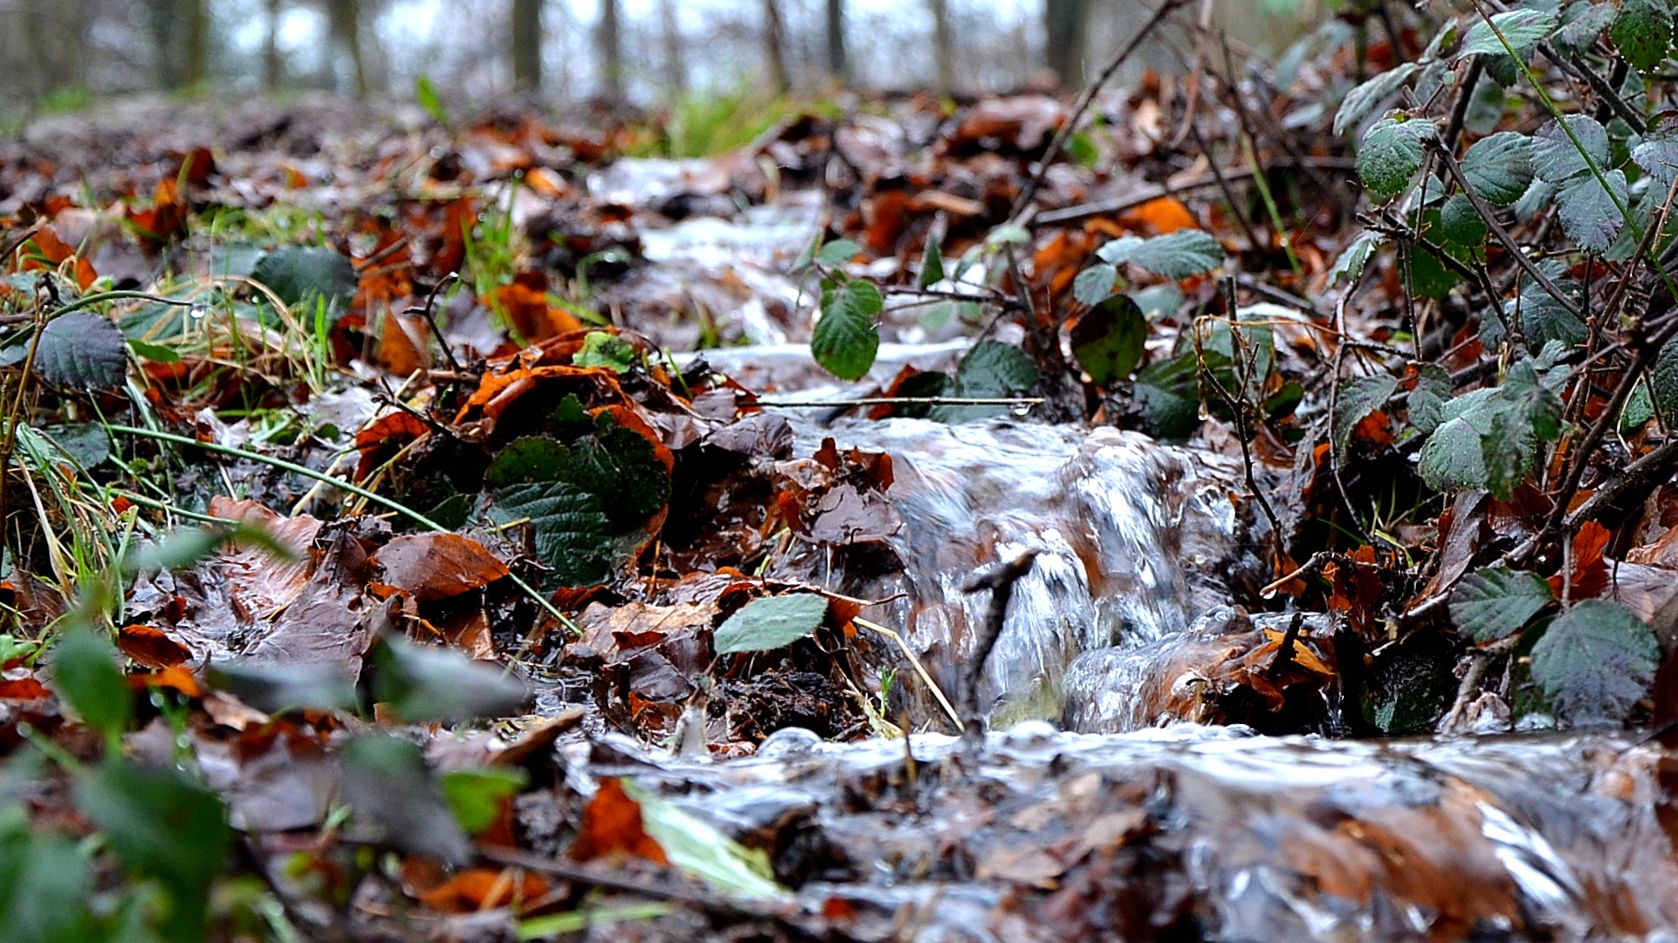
1020 409
199 310
156 698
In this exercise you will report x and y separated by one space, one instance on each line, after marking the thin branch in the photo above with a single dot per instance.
1082 105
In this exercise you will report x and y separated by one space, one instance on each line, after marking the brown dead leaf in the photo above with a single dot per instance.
430 567
151 646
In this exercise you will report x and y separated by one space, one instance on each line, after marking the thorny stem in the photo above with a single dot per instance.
1502 235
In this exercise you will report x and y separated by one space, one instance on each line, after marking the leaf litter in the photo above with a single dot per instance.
616 566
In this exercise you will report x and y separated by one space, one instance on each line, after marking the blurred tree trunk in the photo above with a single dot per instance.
943 44
675 63
197 38
610 48
527 44
273 67
1064 23
774 47
837 66
163 18
344 20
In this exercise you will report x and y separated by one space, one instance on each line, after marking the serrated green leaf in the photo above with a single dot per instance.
1595 662
1350 265
1581 24
1108 339
838 252
1095 284
1495 602
1554 157
932 264
1362 100
1523 29
1543 318
619 466
1639 409
299 275
698 848
1451 458
1499 167
1460 223
1391 154
1657 153
1664 380
1167 392
992 369
422 684
568 525
86 676
845 340
771 622
1359 397
82 350
1589 214
1179 254
1427 400
1643 32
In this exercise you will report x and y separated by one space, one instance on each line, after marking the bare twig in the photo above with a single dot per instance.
1488 216
1058 142
1000 581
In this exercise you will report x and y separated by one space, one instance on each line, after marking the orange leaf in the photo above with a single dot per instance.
1589 576
612 826
22 689
1160 216
478 889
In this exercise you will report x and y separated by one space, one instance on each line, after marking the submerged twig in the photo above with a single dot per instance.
1000 581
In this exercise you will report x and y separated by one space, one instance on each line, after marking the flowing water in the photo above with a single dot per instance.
1097 813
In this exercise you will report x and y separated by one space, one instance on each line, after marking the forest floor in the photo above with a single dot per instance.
397 543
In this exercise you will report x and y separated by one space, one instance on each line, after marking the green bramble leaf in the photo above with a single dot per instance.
1523 29
1499 167
837 253
1180 254
1391 154
845 340
1555 159
1095 284
1362 100
1350 265
1590 214
1496 602
1595 662
1359 397
1643 32
771 622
